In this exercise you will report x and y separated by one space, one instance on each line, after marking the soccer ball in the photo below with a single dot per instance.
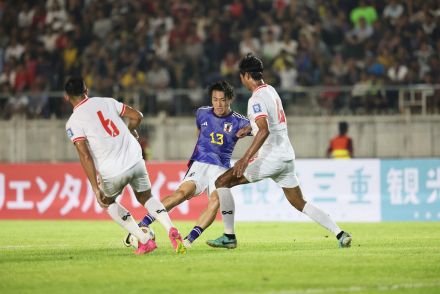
132 241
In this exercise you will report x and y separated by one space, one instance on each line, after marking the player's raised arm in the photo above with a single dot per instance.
134 117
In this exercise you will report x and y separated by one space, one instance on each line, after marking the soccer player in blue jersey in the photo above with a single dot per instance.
219 129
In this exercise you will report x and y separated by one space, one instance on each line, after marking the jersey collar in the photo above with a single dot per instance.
81 103
259 87
229 114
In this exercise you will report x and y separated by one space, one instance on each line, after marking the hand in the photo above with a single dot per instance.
101 198
239 167
243 132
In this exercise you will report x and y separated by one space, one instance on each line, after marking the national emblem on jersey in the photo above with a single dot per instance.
256 108
69 133
227 127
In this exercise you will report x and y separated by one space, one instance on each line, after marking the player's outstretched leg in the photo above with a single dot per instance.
205 220
158 211
121 216
295 197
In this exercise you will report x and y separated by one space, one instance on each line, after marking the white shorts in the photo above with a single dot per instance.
136 176
204 176
282 172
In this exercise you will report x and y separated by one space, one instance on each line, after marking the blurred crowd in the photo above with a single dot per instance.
152 46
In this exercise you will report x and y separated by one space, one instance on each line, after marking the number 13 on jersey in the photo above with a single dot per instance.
216 138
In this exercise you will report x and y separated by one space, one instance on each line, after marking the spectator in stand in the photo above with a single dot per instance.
26 16
359 94
393 11
339 68
229 65
249 44
157 76
328 100
193 38
356 40
364 11
38 100
17 104
14 49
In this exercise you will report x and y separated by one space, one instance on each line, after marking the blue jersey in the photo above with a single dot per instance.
217 136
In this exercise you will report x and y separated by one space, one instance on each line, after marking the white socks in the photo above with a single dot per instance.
158 211
121 215
321 218
227 208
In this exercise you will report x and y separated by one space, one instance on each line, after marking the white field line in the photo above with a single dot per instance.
352 289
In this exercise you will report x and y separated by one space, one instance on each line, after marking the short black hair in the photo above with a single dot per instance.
222 86
252 65
343 127
75 86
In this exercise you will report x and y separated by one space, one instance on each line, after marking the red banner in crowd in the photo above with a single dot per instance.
62 191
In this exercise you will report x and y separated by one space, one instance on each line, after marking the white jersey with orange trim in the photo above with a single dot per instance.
98 120
266 103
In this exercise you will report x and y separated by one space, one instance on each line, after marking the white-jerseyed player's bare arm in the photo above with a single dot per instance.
260 137
135 118
89 168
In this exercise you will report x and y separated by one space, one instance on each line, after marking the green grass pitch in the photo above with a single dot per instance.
88 257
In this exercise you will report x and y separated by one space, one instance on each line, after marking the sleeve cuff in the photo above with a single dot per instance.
123 110
260 116
78 139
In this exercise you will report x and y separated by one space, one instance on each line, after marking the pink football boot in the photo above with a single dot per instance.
176 241
145 248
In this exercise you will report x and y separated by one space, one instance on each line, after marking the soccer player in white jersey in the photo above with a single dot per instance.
275 159
107 145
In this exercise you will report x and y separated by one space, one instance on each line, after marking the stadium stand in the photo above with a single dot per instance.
152 47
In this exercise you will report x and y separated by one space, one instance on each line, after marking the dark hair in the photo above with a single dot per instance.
75 86
343 127
224 87
252 65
